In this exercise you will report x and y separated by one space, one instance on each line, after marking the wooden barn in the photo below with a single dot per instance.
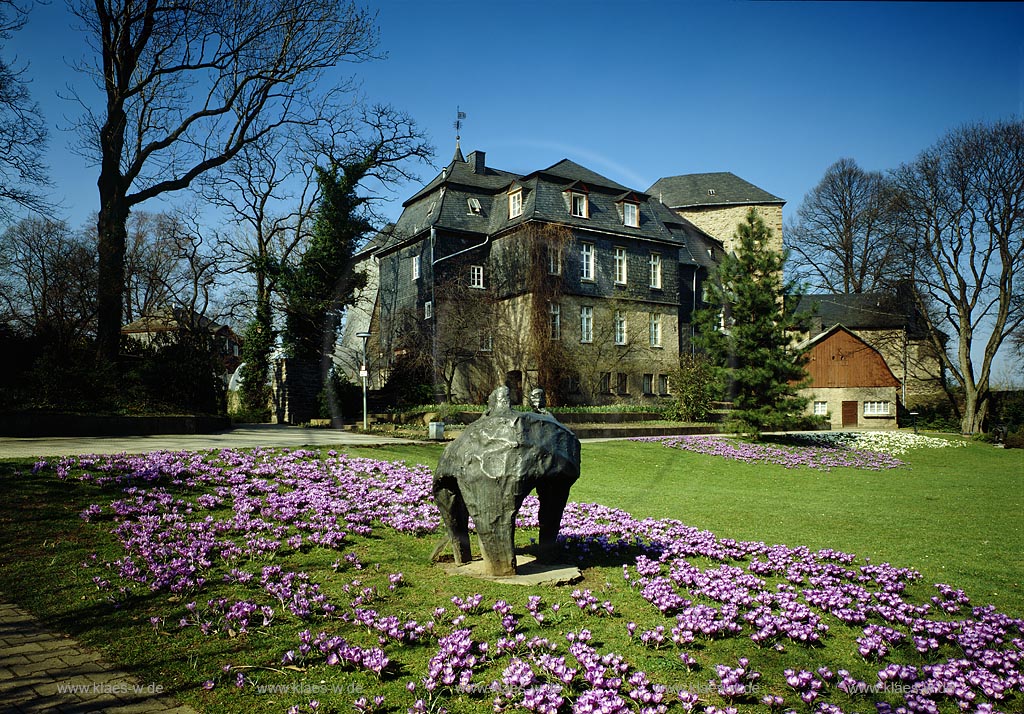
850 382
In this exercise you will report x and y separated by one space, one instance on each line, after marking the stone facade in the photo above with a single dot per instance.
296 391
721 221
913 361
835 398
467 282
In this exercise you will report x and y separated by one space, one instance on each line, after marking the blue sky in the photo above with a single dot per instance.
774 92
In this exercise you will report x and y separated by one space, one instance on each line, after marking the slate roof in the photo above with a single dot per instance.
472 198
858 311
692 190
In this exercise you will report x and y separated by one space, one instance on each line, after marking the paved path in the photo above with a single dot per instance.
237 438
44 671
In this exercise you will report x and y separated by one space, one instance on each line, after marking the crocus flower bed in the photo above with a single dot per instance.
822 450
695 623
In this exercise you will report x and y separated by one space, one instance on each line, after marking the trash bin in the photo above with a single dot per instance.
435 431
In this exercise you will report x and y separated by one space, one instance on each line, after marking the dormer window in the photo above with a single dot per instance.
628 205
515 204
631 215
576 199
578 205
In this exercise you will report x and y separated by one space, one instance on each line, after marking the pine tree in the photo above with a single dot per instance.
746 329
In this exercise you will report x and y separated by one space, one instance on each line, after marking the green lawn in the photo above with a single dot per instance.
956 515
953 514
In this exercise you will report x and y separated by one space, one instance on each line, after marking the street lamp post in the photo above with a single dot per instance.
364 373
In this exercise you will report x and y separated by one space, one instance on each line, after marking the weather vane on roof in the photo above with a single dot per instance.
459 116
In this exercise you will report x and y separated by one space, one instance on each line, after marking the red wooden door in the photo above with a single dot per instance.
849 414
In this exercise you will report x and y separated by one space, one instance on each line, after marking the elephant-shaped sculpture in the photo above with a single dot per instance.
492 466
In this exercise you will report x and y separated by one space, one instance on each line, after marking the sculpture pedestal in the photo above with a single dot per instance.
528 572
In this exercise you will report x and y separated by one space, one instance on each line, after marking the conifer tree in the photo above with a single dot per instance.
746 331
323 283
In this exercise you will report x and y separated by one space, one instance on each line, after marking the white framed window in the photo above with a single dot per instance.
587 261
579 205
820 408
631 215
476 276
428 310
486 341
554 260
654 331
876 409
515 204
586 324
656 270
620 327
416 267
475 208
620 266
648 384
555 321
663 384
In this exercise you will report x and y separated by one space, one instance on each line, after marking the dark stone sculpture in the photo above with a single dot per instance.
492 466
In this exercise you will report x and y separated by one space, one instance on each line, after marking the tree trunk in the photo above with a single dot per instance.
976 405
112 233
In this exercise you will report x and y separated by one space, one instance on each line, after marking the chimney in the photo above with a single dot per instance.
476 160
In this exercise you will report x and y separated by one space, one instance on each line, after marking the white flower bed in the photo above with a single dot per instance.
885 442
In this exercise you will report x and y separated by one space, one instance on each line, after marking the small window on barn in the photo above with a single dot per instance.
876 409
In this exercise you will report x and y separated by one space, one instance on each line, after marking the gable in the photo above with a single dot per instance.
838 358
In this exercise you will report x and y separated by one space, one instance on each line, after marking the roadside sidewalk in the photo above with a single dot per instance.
43 671
242 437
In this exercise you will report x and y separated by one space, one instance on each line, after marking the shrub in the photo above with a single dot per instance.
694 388
177 372
1015 439
933 417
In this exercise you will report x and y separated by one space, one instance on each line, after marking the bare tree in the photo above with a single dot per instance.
23 134
169 263
49 281
271 193
188 85
964 198
842 240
